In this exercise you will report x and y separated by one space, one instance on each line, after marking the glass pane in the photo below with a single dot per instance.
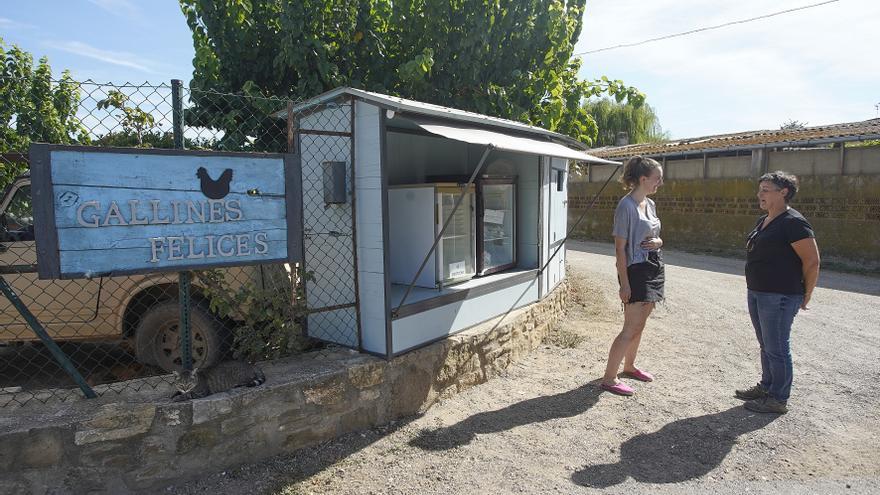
498 225
457 248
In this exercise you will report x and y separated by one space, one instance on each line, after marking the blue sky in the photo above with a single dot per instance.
812 66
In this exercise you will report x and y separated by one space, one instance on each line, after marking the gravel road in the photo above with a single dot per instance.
544 427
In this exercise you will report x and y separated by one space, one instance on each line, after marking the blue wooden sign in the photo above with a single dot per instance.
114 211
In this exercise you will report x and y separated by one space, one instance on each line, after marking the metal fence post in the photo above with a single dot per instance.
184 278
177 112
50 344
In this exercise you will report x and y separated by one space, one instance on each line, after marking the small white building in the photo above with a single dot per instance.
381 176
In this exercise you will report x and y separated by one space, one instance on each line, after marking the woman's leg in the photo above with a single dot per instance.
766 377
634 317
776 313
629 358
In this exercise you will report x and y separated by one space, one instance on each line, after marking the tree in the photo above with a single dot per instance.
33 107
639 122
791 125
507 59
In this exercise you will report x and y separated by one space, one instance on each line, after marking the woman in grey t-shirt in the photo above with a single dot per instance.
639 268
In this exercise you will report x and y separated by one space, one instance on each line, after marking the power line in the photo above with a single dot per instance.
708 28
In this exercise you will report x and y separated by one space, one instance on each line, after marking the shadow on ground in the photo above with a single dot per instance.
31 366
537 410
680 451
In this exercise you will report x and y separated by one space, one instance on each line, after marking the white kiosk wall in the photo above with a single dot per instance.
554 201
558 221
369 200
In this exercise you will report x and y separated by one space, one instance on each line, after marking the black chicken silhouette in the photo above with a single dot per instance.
214 189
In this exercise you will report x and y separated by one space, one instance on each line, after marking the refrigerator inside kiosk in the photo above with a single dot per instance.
496 224
416 214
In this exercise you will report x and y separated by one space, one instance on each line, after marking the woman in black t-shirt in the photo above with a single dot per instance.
782 266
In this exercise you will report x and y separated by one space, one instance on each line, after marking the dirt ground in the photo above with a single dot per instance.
544 426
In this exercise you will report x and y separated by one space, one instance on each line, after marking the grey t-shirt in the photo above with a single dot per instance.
632 224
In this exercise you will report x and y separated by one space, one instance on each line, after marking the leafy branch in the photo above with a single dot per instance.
133 119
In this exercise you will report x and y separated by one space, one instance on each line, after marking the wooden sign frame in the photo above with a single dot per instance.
119 211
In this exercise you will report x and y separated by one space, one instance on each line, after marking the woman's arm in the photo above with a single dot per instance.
808 252
652 243
620 257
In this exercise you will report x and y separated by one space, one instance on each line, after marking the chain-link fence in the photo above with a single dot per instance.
122 333
325 141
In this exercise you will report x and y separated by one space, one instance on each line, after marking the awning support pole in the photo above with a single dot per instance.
446 222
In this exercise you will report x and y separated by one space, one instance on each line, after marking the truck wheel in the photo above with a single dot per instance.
157 338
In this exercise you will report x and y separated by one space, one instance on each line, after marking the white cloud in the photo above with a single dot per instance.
11 24
121 8
122 59
809 65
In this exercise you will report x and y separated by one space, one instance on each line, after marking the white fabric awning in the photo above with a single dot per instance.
510 143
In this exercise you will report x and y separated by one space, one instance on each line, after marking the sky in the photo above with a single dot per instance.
813 66
817 65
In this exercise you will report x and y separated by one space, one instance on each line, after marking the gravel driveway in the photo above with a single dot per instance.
544 427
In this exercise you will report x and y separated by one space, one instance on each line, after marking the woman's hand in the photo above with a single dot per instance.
652 243
625 294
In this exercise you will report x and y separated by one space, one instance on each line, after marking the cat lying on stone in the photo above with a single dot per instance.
222 377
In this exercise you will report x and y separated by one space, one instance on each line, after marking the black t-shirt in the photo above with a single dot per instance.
772 265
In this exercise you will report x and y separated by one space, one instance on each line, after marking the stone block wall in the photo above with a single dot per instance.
715 215
100 446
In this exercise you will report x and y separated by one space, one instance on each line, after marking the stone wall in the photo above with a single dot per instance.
861 160
101 446
715 215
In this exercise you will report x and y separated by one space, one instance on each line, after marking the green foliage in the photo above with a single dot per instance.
792 124
132 139
140 129
639 122
265 320
33 108
507 59
859 144
134 120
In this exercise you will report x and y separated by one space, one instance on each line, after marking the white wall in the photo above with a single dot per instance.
370 228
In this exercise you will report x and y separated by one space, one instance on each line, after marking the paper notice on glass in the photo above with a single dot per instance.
457 269
493 216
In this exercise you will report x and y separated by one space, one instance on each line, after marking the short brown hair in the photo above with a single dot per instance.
782 180
636 168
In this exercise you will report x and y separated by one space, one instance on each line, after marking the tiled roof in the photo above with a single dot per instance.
850 131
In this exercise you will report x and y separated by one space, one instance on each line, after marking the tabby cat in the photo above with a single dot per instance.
224 376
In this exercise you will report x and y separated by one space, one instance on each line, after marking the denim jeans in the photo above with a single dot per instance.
772 315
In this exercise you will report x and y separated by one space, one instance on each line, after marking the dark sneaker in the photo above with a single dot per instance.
756 392
766 405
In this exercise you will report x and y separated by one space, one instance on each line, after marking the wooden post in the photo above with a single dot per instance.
290 128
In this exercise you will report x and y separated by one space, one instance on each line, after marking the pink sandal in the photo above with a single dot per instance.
642 376
618 388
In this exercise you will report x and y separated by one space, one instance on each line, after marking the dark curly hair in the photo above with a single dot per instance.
782 180
636 168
